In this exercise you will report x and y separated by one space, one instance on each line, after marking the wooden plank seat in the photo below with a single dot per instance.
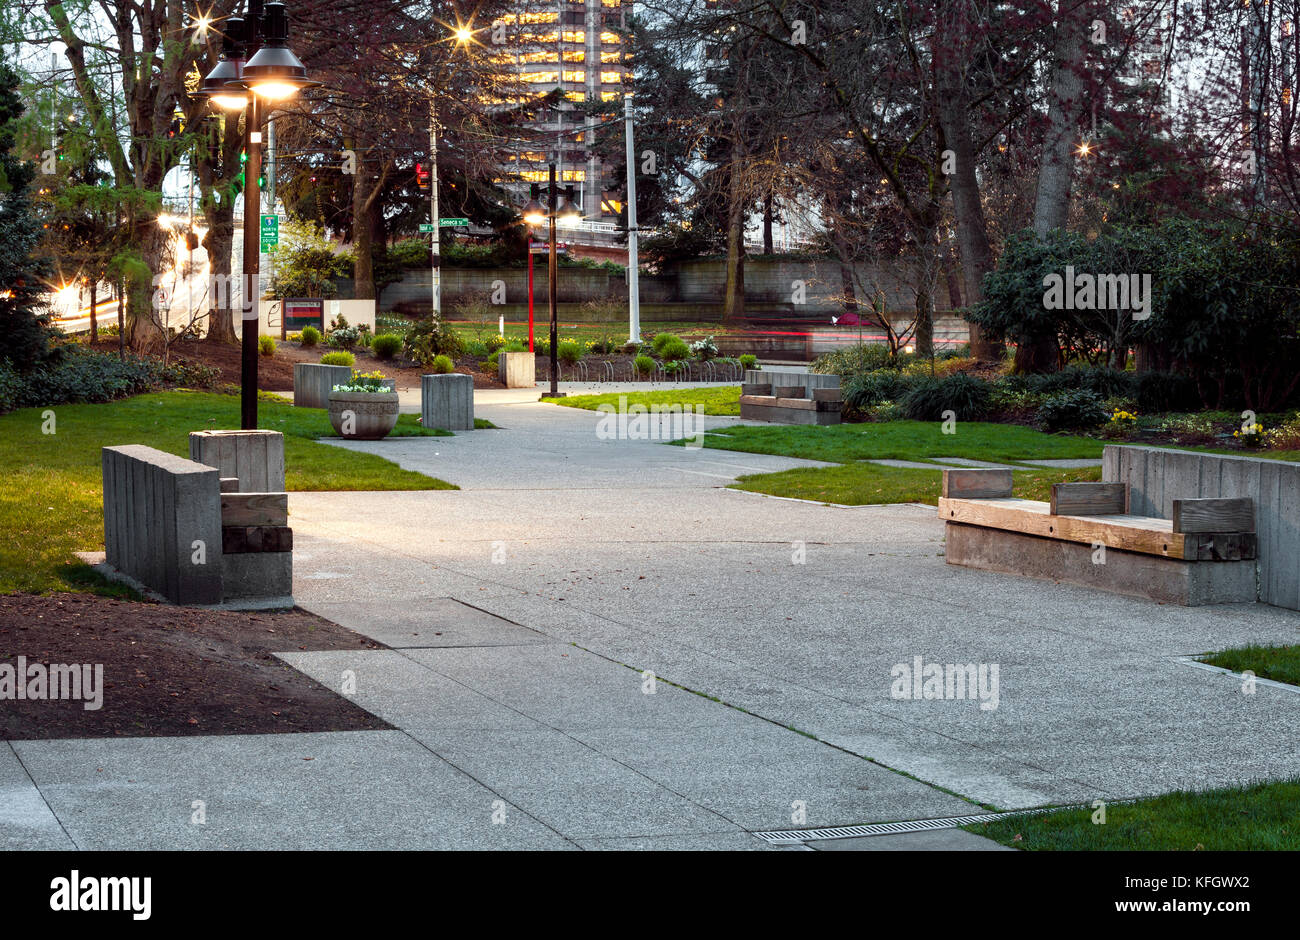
988 528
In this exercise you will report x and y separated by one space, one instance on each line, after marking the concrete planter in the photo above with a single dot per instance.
373 414
517 369
312 383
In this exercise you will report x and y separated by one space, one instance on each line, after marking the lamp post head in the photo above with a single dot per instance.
275 73
221 87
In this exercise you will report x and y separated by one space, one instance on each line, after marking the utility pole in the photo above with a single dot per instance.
633 285
553 270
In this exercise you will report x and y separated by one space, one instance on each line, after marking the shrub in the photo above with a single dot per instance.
704 349
430 338
1072 410
188 374
1166 391
673 366
644 365
515 345
386 345
73 374
853 360
338 358
929 398
476 348
542 345
749 361
266 345
605 344
494 342
345 337
310 336
863 391
1010 398
442 365
569 351
669 346
1108 383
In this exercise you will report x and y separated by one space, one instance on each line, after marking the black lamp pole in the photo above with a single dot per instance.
249 286
552 272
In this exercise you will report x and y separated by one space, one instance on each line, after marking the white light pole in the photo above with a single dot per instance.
433 208
633 286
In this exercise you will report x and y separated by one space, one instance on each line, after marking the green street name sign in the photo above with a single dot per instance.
426 227
452 223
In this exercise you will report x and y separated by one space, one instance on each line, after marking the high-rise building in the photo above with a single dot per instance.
572 50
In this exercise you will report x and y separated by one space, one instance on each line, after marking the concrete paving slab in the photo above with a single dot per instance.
424 622
968 462
572 787
931 840
699 842
405 693
905 464
338 790
26 822
1066 464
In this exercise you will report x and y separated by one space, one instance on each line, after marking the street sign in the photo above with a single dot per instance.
270 232
541 248
452 223
426 228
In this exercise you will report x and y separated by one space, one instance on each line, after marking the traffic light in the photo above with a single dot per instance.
422 177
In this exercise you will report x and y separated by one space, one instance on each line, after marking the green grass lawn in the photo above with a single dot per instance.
1261 816
716 400
860 484
51 504
1279 663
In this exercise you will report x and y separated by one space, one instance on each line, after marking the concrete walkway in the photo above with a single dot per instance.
595 644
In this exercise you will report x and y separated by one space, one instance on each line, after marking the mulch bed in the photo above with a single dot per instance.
174 671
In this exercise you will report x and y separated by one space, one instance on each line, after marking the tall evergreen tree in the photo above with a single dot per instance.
23 334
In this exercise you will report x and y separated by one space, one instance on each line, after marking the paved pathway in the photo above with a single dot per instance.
552 622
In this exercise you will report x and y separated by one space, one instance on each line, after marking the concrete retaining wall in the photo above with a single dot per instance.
313 382
447 401
1157 476
255 457
156 507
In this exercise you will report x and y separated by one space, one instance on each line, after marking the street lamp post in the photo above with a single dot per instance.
535 214
633 283
271 73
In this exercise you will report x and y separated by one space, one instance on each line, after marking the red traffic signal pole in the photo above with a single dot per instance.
530 293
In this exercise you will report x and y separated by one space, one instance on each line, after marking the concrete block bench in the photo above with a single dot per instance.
786 397
1086 535
1157 475
313 382
447 401
189 531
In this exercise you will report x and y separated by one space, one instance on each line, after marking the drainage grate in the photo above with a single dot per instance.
795 836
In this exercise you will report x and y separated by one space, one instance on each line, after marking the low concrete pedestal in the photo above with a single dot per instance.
447 401
517 369
256 458
1167 580
313 382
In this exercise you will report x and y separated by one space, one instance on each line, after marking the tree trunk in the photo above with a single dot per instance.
1064 109
767 224
928 263
968 212
148 327
219 243
363 265
733 308
1035 354
94 323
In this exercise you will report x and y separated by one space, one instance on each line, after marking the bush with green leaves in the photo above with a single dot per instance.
644 365
266 345
1072 410
605 344
1166 391
863 391
1108 383
853 360
704 349
668 346
429 338
345 337
72 373
494 341
749 361
442 365
673 366
476 348
569 351
929 398
310 336
542 345
386 345
338 358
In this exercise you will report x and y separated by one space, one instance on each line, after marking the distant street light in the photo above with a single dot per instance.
273 74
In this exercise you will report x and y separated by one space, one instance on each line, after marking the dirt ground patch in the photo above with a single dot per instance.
173 671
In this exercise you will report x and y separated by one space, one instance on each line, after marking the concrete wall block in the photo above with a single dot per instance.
256 458
447 401
313 382
259 574
517 369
